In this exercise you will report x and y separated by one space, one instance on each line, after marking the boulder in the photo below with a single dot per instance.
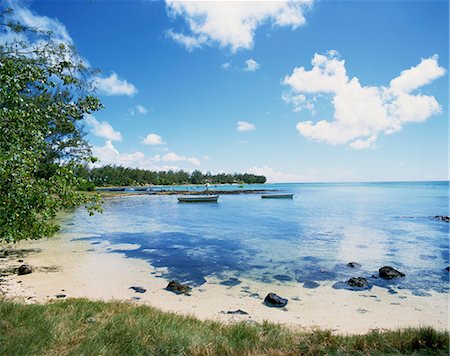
24 269
447 269
353 265
273 300
359 282
388 272
178 288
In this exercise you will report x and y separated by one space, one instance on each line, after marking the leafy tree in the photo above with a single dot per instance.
43 97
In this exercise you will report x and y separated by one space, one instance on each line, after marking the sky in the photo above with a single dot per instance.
298 91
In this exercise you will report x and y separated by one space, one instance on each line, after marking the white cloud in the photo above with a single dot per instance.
113 85
190 42
232 23
109 155
153 139
28 18
361 113
251 65
244 126
173 157
102 129
141 109
274 176
226 65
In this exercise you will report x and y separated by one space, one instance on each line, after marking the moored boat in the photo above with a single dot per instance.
277 196
199 199
116 189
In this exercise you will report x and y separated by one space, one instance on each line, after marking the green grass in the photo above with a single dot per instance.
64 328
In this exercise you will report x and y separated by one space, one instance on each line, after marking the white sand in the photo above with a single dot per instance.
67 267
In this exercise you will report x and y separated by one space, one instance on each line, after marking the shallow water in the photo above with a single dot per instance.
308 240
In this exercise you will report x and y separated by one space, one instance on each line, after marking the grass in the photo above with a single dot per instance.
80 326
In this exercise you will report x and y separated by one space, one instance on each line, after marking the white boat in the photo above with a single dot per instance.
277 196
199 199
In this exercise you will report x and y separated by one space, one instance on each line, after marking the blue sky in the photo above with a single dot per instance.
297 91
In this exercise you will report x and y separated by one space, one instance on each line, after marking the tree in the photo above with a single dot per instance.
44 93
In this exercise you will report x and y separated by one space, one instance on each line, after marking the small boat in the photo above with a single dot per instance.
199 199
116 189
277 196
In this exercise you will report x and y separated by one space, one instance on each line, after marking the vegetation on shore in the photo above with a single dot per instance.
79 326
122 176
44 95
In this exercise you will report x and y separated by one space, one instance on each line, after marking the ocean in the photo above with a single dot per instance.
306 240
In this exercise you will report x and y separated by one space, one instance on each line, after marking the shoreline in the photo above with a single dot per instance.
76 270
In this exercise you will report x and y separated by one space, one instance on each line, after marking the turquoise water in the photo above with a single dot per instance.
307 240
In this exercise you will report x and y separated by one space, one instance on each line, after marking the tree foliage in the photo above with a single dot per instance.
43 97
122 176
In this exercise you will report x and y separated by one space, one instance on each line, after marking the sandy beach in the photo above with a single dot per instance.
76 270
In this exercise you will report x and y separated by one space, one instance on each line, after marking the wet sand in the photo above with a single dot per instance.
79 269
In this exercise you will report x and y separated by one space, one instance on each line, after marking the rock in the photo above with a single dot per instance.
91 320
359 282
388 272
353 265
20 261
239 312
442 218
59 296
447 269
178 288
273 300
138 289
24 269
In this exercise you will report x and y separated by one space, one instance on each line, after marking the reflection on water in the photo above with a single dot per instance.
307 240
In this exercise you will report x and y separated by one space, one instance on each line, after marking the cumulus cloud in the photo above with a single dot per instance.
232 23
244 126
109 155
113 85
274 176
153 139
102 128
361 113
251 65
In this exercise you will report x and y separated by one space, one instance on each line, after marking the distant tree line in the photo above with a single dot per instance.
122 176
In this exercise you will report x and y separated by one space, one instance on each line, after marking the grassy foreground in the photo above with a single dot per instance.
79 326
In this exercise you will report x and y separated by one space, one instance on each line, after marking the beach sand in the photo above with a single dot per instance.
76 269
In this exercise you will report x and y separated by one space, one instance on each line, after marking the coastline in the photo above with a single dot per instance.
74 269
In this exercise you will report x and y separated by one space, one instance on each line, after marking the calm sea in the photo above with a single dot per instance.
307 240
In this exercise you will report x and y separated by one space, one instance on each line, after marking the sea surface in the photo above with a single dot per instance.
307 240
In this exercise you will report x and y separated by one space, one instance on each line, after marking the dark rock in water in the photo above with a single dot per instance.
178 288
388 272
442 218
359 282
24 269
311 284
447 269
239 312
353 265
231 282
273 300
138 289
59 296
282 278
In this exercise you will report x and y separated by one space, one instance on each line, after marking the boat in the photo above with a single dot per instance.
277 196
116 189
199 199
141 189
